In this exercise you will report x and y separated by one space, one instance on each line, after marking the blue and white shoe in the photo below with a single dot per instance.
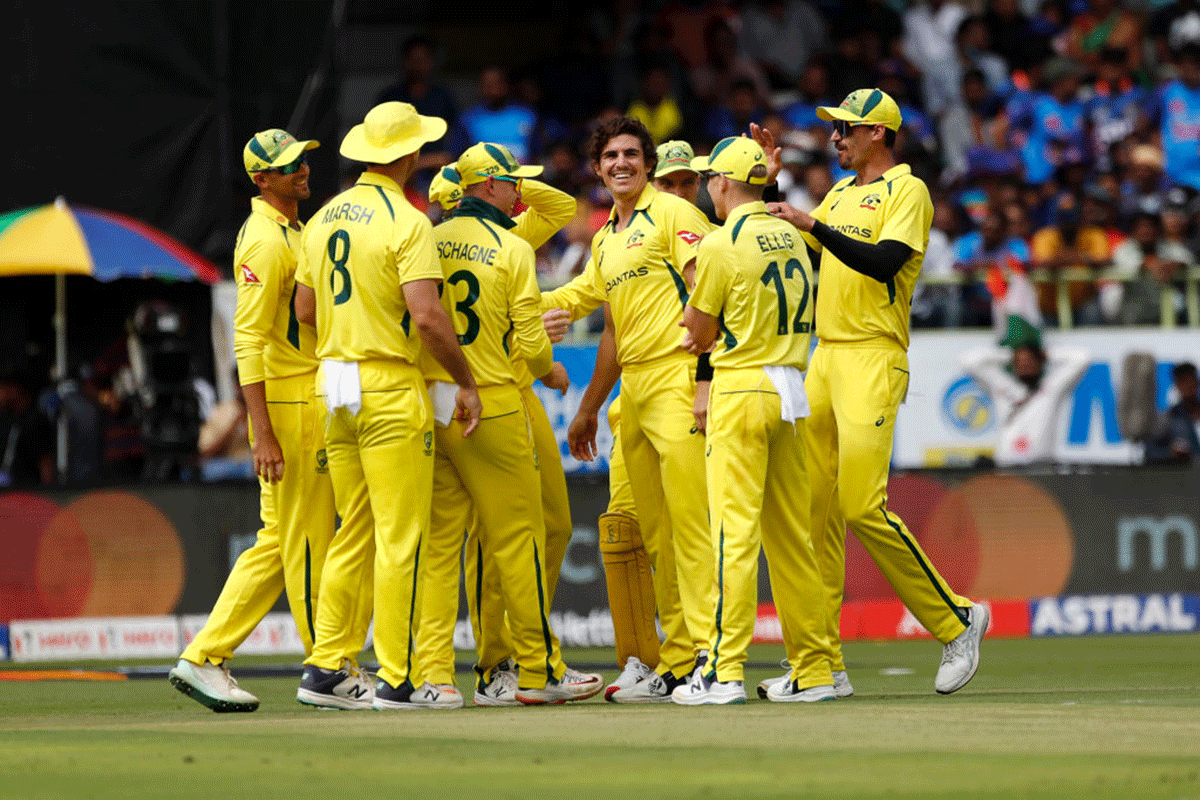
348 688
405 697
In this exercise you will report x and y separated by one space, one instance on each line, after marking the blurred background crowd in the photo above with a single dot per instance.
1060 140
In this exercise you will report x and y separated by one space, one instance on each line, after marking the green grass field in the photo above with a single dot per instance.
1111 717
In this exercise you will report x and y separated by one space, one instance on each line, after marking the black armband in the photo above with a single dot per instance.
771 193
880 261
704 370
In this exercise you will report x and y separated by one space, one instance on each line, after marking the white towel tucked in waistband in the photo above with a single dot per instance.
789 383
343 388
443 394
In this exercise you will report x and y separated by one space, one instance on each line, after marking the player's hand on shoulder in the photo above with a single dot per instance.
792 214
581 436
468 408
556 321
557 379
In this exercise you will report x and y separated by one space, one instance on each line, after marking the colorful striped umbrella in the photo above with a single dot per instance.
74 240
60 239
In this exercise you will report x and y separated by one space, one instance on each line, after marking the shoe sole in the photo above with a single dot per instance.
491 702
798 698
986 618
388 705
318 700
708 701
216 704
554 700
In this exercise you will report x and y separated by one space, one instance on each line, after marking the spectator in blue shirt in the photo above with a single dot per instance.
1053 121
496 119
985 250
814 92
1118 107
1179 120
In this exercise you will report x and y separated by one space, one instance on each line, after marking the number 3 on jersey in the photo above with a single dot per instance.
339 253
771 276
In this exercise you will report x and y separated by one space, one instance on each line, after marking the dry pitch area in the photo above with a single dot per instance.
1111 717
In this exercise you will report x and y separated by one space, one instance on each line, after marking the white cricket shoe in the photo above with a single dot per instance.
960 658
211 685
349 688
765 685
634 671
405 698
786 691
500 689
841 684
702 691
573 685
654 689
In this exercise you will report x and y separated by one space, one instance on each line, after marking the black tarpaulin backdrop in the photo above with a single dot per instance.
143 108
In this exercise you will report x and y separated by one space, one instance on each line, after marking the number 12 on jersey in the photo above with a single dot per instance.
771 277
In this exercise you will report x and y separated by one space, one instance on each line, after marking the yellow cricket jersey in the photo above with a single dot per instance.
268 340
358 250
549 209
491 294
639 272
582 295
754 274
850 306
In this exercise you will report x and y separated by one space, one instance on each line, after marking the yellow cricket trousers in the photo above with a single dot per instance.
758 497
495 472
620 493
854 390
664 454
297 525
381 463
439 610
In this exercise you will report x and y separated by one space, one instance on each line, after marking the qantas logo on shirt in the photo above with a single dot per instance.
688 237
248 275
635 239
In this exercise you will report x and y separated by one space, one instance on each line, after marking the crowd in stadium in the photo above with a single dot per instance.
1054 134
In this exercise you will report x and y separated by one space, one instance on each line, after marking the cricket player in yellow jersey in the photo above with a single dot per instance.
491 291
276 367
369 277
547 210
644 257
753 299
872 229
627 569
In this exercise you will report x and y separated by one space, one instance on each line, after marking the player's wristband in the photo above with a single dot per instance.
704 370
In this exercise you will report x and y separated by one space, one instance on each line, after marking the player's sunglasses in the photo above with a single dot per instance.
842 128
517 182
292 168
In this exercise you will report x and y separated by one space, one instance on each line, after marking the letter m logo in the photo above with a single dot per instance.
1157 532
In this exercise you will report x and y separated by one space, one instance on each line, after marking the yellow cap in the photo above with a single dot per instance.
738 157
390 131
273 148
865 107
674 156
481 161
444 189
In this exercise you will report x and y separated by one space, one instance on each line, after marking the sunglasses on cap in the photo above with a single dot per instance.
517 182
842 127
292 168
